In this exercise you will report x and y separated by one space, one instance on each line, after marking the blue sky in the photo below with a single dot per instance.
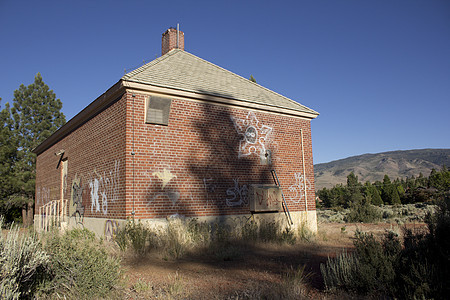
378 71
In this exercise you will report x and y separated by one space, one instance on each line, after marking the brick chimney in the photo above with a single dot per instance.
170 40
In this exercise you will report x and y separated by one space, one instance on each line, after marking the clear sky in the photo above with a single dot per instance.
377 71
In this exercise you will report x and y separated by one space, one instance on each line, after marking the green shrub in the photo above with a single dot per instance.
420 269
121 238
139 236
369 270
81 266
376 270
23 264
340 272
363 212
424 265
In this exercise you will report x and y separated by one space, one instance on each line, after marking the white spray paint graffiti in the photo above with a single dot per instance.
299 188
107 185
254 135
165 176
93 186
239 194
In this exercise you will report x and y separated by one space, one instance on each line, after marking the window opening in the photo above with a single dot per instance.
158 110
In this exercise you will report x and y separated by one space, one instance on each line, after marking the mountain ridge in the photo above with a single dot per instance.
373 166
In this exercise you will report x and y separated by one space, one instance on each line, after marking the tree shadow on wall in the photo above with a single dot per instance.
227 161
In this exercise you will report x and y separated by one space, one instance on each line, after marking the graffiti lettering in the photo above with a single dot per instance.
105 186
93 185
239 195
267 199
298 189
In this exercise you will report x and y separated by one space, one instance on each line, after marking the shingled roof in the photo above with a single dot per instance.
181 70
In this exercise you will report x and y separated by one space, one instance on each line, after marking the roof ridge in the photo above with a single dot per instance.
149 64
256 92
251 82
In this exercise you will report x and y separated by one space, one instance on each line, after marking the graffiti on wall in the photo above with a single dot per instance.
77 201
209 188
298 189
103 188
238 194
165 177
255 136
172 196
268 198
111 229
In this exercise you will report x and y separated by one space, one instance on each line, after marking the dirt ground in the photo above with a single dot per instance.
259 266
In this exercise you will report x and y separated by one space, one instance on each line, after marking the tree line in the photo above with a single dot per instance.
34 115
399 191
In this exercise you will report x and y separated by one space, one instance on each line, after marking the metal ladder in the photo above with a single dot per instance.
277 183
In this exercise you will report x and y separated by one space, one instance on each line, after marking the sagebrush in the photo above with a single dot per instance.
23 264
416 268
81 266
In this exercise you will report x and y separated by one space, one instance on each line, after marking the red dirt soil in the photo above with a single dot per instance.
254 267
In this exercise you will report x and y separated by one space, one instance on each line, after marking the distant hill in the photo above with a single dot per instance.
372 167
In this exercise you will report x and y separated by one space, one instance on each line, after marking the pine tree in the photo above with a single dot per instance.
376 198
36 115
373 194
386 191
353 193
8 158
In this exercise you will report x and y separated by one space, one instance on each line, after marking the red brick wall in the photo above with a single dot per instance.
95 154
192 167
196 158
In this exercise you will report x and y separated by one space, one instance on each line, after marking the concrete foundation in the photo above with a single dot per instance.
106 228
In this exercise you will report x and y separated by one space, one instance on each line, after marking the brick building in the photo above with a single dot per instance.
178 136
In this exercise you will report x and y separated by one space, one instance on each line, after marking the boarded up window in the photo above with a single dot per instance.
265 198
158 110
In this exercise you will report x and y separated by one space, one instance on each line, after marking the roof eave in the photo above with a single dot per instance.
210 97
87 113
